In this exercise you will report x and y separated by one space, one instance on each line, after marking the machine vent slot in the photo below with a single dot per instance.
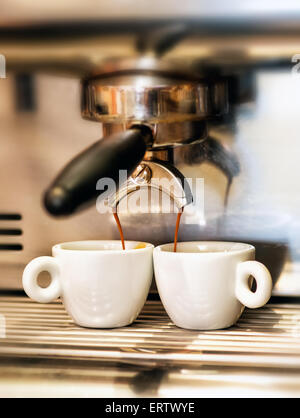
10 217
14 231
5 231
11 247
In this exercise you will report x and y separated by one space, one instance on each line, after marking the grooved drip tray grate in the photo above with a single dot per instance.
41 340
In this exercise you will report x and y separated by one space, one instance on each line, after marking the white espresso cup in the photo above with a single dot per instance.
205 285
101 285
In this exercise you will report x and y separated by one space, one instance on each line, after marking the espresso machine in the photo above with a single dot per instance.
147 113
173 93
200 94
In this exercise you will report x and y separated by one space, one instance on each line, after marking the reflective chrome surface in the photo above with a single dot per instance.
151 98
157 178
43 353
79 37
166 135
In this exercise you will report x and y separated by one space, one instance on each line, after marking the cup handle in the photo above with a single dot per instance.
30 275
263 281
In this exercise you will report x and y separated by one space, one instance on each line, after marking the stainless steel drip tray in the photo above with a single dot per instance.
43 353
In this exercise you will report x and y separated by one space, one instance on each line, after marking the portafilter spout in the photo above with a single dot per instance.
159 176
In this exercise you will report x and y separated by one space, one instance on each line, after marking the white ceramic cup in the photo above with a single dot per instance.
205 285
102 286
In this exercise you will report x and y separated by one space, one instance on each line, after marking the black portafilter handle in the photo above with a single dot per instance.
75 186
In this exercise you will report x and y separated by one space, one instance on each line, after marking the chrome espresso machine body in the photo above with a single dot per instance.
178 94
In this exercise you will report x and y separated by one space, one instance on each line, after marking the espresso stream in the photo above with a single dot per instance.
176 229
120 229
